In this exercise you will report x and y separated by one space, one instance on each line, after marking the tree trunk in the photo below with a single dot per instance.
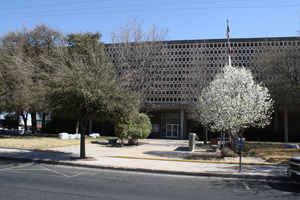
82 146
82 139
33 122
286 127
234 138
241 133
205 135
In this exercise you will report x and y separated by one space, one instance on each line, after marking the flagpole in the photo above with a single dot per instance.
228 42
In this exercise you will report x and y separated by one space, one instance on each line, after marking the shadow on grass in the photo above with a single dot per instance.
118 144
100 143
27 136
182 149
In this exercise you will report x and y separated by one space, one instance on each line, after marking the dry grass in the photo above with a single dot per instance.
271 151
42 143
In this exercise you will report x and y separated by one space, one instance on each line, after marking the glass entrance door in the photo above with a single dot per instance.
172 131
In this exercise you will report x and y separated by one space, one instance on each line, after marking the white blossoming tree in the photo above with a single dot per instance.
233 101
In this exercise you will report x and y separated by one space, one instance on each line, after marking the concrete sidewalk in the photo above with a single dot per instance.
160 156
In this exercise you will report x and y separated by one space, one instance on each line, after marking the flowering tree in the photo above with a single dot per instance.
233 101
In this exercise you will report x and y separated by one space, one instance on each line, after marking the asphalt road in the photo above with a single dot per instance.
26 181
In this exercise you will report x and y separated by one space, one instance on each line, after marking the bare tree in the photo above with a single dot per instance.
280 71
139 56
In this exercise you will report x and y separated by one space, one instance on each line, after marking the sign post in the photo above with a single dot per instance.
240 144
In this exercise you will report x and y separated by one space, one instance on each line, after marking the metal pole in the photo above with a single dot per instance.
240 168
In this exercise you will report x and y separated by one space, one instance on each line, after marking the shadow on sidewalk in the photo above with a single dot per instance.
38 155
166 154
183 153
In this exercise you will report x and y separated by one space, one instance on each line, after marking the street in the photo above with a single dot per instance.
42 182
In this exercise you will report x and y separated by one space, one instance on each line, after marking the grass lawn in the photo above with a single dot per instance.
273 152
42 143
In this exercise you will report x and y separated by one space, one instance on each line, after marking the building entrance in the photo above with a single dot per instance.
172 130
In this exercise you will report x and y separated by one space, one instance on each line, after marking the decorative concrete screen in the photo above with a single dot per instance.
181 68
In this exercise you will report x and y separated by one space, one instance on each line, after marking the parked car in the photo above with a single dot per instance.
294 168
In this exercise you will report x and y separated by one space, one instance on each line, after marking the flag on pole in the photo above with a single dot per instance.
228 42
228 29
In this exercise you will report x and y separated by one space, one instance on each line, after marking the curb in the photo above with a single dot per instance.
195 161
167 172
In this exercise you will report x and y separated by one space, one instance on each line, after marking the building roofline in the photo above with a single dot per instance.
292 38
254 39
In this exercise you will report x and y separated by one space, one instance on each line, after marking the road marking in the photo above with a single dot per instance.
246 186
19 168
54 171
16 167
60 173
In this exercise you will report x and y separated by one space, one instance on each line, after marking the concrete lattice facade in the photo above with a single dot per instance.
185 66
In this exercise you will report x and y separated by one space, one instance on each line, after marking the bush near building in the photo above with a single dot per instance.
136 127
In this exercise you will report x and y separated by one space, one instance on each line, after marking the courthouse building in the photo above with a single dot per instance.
183 69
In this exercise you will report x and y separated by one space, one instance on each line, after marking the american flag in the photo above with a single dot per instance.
227 34
228 29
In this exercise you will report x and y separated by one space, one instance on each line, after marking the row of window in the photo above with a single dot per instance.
204 52
182 86
234 63
222 45
170 92
170 100
207 52
234 44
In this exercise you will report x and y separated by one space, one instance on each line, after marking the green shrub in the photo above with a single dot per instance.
121 130
140 128
137 126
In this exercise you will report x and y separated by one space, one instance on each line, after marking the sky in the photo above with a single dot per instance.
184 19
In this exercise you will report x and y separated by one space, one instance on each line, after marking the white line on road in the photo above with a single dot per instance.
246 186
16 167
60 173
54 171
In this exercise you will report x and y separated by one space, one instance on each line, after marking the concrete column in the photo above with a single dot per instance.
192 141
182 124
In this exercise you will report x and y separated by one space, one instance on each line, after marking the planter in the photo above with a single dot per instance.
133 141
